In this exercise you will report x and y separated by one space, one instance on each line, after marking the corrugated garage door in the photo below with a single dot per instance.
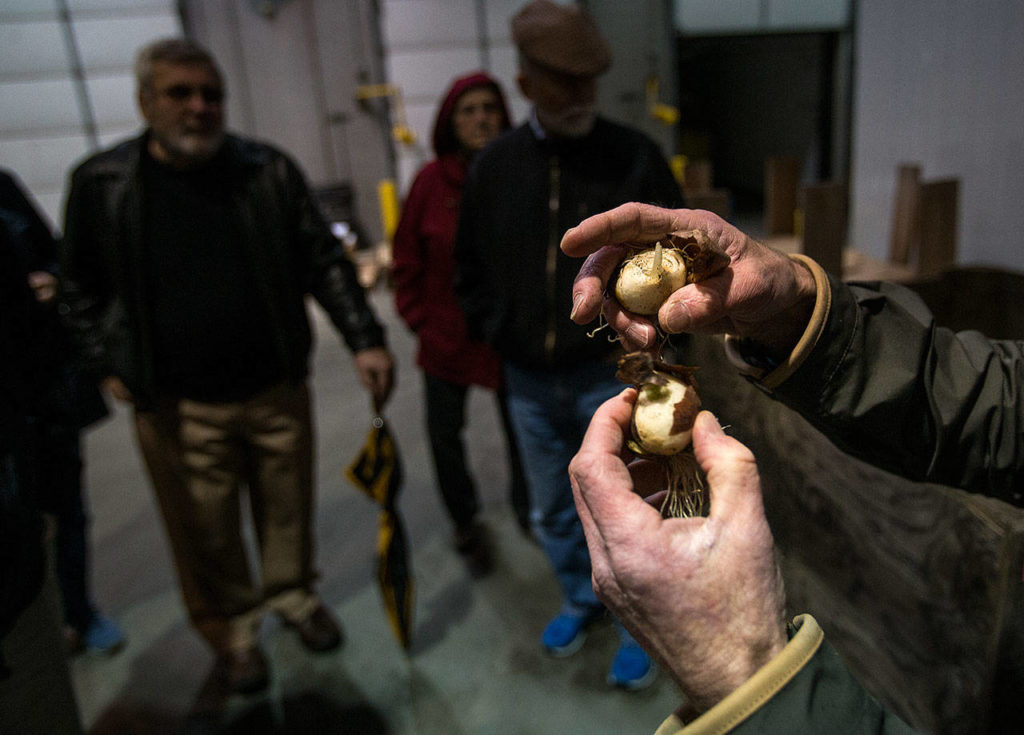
66 84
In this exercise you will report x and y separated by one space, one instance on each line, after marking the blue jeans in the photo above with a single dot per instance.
550 413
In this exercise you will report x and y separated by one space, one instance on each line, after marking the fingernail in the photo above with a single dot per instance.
577 299
637 335
677 319
715 427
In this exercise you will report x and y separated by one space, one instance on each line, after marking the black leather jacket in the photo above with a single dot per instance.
293 253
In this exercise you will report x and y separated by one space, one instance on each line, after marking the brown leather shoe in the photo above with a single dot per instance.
244 672
319 632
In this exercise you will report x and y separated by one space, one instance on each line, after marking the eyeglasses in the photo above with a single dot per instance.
183 92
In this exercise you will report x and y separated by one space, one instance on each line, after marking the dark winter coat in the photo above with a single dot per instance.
522 194
291 251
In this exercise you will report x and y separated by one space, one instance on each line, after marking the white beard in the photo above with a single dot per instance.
575 122
194 147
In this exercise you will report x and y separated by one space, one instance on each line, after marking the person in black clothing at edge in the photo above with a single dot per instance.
187 257
846 356
64 403
36 695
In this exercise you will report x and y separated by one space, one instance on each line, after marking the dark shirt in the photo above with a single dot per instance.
513 282
211 339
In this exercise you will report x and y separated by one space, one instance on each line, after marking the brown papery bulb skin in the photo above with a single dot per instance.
663 416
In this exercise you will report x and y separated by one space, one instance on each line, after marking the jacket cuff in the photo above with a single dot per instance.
758 689
772 375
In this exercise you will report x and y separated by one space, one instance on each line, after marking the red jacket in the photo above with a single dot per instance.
424 270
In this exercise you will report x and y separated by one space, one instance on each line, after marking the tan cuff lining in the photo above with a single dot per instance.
807 341
758 689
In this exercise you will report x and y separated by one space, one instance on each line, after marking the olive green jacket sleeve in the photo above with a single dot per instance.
877 376
805 689
881 380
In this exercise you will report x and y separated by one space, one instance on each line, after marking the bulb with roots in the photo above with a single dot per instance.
661 428
667 402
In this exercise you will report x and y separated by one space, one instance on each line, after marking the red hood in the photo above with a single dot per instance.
444 135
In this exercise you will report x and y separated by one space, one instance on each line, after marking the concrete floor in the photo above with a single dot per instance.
475 666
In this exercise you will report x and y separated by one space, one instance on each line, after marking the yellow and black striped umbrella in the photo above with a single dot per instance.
377 471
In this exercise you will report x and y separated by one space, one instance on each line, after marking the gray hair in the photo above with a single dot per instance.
170 51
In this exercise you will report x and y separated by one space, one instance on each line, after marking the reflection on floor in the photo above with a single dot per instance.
475 665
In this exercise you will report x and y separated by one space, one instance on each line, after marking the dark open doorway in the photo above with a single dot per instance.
744 99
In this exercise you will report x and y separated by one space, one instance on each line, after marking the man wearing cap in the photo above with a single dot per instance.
524 191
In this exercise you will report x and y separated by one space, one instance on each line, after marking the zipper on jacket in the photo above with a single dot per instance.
554 238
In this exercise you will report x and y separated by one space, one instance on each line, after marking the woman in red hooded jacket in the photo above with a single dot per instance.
472 113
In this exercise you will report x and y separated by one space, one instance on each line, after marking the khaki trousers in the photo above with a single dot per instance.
203 460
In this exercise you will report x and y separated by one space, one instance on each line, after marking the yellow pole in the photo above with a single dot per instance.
388 198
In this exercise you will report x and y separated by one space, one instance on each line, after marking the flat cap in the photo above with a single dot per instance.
563 38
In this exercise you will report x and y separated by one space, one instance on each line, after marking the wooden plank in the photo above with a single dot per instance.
718 201
782 176
918 586
905 238
697 174
939 201
824 207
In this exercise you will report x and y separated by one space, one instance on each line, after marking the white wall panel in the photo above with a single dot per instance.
45 105
499 14
113 42
427 73
425 23
48 159
43 129
939 83
113 100
116 133
35 48
14 9
120 7
504 67
420 117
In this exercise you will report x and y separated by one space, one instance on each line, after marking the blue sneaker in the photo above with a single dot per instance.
632 668
102 635
565 634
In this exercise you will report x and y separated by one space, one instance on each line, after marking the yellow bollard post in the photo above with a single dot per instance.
388 199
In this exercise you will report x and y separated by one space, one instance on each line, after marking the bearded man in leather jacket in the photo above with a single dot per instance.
187 257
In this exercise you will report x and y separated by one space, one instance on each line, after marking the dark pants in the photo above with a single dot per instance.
57 475
37 698
446 418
